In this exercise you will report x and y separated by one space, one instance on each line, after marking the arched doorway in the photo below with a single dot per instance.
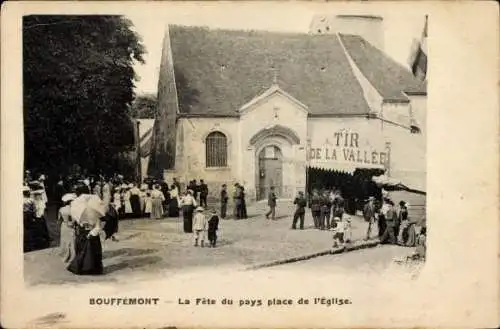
269 171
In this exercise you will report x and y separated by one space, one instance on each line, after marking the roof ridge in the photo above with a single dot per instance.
246 31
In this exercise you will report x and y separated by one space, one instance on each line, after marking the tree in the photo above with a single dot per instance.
144 107
78 81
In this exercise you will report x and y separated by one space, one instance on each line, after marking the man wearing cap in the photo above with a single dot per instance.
223 201
369 215
301 203
271 202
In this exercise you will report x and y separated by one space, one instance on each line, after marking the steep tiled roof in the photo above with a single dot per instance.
386 75
217 71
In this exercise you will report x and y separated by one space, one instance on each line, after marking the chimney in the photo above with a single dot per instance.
367 26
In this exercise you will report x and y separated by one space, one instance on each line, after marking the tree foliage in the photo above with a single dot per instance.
78 84
144 107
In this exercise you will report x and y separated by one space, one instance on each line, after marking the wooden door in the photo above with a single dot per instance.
270 171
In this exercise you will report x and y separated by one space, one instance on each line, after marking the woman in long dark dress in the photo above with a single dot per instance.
173 207
29 218
188 204
40 229
87 211
244 214
111 220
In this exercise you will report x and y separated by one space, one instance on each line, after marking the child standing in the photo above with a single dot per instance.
199 227
339 233
213 226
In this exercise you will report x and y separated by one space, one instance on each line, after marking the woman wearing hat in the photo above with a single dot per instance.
29 218
41 231
87 211
157 199
188 204
67 236
126 200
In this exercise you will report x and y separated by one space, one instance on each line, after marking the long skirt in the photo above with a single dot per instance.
40 234
411 240
110 225
128 207
88 259
136 205
187 214
173 209
29 234
244 208
156 209
67 243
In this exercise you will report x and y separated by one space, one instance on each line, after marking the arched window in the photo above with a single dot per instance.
216 150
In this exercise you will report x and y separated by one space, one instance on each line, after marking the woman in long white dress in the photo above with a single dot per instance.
126 203
67 236
148 204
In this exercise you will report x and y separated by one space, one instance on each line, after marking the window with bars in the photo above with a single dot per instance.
216 150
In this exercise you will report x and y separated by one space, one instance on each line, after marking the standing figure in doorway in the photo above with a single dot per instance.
271 202
301 203
223 201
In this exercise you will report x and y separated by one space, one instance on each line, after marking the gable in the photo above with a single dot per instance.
274 94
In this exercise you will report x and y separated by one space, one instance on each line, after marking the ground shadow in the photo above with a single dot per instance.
127 252
132 264
223 242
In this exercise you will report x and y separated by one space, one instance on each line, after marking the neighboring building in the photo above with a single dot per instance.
260 108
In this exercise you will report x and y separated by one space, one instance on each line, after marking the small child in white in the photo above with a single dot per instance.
339 232
200 224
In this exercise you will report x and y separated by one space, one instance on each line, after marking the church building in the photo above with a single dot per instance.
289 110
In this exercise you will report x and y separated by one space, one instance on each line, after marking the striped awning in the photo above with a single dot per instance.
345 167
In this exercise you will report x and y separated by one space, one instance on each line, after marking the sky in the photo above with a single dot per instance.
400 29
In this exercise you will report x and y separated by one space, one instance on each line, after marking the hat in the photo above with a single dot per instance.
37 192
131 185
26 189
86 182
371 198
199 209
124 186
42 177
68 197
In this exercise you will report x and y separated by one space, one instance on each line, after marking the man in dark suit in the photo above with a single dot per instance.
271 202
223 201
369 212
203 193
301 203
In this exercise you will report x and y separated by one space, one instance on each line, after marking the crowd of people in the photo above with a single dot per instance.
89 208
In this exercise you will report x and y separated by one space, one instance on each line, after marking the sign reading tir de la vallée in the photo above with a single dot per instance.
346 147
